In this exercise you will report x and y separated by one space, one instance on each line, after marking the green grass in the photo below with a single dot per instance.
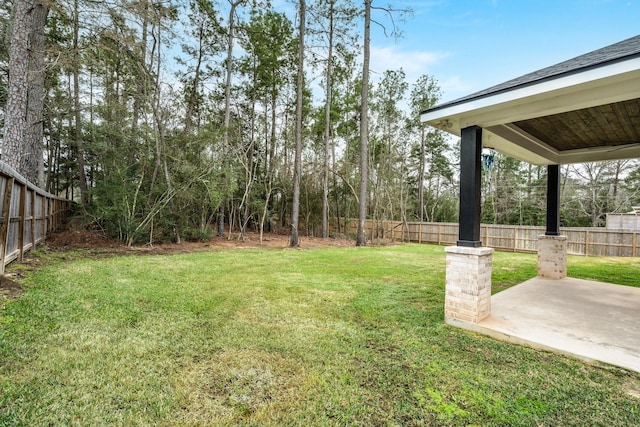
350 336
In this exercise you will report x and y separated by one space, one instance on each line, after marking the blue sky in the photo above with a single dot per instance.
469 45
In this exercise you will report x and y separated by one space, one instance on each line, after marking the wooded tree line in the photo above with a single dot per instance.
172 120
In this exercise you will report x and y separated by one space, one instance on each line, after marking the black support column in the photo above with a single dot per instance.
470 184
553 200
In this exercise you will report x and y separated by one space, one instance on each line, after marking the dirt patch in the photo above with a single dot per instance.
74 239
98 242
632 387
239 383
73 244
9 289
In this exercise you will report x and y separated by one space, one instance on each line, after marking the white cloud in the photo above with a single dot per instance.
454 87
414 63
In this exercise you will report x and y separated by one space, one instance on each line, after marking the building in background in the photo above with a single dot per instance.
626 221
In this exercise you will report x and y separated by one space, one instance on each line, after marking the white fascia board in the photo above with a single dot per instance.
592 94
511 140
623 71
515 151
621 152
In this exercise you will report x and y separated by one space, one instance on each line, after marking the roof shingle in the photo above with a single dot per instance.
609 54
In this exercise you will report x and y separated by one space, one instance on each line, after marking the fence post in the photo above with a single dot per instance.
586 243
439 234
6 212
22 213
43 218
515 239
420 232
635 245
50 215
33 219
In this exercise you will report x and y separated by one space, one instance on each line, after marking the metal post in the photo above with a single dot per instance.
470 183
553 200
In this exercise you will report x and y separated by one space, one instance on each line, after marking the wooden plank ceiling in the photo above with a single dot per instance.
608 125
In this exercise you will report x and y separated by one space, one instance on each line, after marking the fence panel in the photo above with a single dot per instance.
28 213
13 237
590 241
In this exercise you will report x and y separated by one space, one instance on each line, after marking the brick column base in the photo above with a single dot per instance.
552 257
468 287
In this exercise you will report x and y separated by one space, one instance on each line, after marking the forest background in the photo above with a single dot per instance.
170 120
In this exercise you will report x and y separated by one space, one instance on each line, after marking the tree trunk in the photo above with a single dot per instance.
364 128
161 134
297 172
229 70
17 90
227 100
616 181
140 93
421 175
250 170
192 101
327 130
35 98
76 103
220 220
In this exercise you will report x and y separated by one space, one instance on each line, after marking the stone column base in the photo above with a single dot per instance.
468 286
552 257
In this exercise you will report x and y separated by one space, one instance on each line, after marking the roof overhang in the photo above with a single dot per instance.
590 115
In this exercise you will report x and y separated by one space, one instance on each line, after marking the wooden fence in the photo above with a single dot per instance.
28 214
590 241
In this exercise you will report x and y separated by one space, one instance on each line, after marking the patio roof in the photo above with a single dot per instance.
583 109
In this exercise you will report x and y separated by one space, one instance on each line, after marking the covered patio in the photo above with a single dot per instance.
581 110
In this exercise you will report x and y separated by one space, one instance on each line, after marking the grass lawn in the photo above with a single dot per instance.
260 337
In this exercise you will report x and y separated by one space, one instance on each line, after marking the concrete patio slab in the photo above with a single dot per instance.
589 320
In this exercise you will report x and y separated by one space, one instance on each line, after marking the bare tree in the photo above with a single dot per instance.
227 98
79 145
361 239
327 127
600 186
229 67
297 173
